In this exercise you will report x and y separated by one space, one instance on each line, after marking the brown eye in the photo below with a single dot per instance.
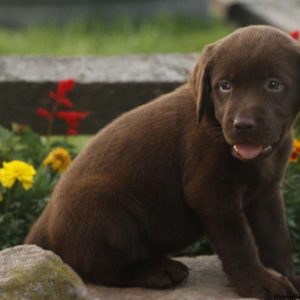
275 85
225 86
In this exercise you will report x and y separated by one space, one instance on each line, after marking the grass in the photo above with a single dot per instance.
161 34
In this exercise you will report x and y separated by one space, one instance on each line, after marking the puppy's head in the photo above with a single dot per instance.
249 83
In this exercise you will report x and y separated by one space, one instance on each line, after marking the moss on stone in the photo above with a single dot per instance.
44 278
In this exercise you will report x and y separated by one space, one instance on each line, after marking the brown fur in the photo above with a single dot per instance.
154 180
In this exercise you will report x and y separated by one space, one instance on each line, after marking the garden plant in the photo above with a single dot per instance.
32 164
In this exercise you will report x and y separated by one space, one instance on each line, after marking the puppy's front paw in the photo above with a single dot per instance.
267 286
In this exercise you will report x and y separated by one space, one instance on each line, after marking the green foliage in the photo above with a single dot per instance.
27 145
123 36
291 192
201 247
19 207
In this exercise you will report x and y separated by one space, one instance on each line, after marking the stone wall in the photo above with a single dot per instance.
104 86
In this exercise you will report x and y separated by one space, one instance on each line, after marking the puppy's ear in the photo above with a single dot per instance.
200 82
297 43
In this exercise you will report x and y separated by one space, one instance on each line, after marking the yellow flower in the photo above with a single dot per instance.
58 159
17 170
296 146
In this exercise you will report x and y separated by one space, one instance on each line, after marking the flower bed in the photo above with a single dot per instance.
32 164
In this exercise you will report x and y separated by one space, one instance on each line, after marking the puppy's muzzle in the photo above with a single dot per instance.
244 124
245 127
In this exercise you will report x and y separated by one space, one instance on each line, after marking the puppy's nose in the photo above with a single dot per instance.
246 124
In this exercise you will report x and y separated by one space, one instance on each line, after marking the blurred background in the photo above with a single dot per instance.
107 27
110 27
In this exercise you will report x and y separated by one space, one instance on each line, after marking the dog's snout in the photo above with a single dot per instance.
244 124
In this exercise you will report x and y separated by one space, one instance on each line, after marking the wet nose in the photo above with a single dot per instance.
244 124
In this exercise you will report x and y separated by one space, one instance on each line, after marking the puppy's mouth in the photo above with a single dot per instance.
251 151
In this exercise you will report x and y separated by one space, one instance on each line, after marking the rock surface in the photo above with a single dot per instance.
30 273
206 281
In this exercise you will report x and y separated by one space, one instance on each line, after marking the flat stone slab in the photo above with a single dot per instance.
172 68
206 281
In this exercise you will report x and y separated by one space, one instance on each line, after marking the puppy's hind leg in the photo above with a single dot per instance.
158 273
118 256
122 259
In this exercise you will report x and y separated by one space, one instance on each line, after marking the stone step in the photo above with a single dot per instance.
206 281
28 272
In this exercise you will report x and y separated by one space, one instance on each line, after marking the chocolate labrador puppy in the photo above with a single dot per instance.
207 158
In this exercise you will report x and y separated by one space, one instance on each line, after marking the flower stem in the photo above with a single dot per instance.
51 120
7 201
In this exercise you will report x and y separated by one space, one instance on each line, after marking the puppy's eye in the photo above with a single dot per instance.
274 85
225 86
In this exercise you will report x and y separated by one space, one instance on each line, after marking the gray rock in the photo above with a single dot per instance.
206 281
31 273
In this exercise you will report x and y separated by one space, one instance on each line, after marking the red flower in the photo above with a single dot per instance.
72 115
62 100
295 34
293 157
72 119
64 86
43 113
